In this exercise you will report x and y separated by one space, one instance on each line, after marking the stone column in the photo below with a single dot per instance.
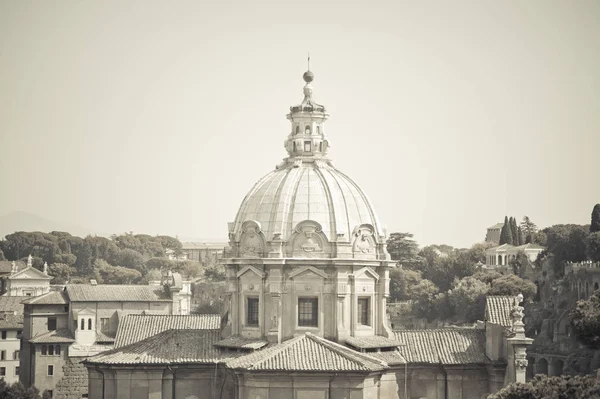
517 345
275 316
232 291
167 384
341 312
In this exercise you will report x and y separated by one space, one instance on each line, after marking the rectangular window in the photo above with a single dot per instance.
252 319
308 312
17 370
363 311
51 323
50 370
50 393
307 147
104 324
2 371
16 355
2 355
3 334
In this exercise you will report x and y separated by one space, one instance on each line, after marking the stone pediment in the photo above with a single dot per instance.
308 272
253 269
366 270
30 273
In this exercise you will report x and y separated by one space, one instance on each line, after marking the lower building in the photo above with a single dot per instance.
11 327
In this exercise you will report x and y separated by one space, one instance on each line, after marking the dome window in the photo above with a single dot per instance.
307 130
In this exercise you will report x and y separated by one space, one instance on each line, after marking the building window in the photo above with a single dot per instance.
2 355
2 371
19 332
252 318
17 370
57 350
318 130
51 323
83 324
16 355
363 311
50 370
307 147
50 350
44 350
307 130
50 393
89 324
308 312
3 334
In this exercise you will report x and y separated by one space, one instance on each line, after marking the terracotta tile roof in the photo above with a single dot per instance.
136 327
51 337
167 347
498 308
373 342
12 303
238 342
74 382
102 337
445 346
307 352
120 293
50 298
390 357
11 321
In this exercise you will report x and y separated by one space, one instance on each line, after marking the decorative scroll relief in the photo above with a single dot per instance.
521 364
308 240
363 243
251 243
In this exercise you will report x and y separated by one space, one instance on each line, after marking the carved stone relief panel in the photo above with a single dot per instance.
252 243
363 240
308 241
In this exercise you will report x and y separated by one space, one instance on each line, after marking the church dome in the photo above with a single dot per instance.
306 202
301 191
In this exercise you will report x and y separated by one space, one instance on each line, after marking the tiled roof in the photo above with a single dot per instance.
498 308
6 266
530 246
102 337
51 337
11 321
445 346
119 293
12 303
390 357
74 382
373 342
136 327
167 347
496 226
307 352
238 342
50 298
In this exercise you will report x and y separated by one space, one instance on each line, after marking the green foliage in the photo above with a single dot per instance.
211 307
592 246
159 263
528 228
519 263
107 274
513 285
487 276
61 273
567 243
506 233
402 248
215 272
151 275
514 233
543 387
2 255
18 391
595 224
467 297
585 319
189 269
403 283
132 259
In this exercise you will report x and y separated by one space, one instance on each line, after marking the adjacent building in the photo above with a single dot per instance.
493 233
307 286
23 279
503 254
11 327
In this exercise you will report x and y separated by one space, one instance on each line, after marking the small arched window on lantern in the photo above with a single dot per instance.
89 324
83 324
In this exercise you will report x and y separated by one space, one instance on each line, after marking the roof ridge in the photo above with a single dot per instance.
349 354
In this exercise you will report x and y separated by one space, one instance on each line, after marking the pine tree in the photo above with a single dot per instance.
521 238
595 226
529 228
505 236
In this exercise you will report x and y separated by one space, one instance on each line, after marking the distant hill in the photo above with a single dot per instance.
23 221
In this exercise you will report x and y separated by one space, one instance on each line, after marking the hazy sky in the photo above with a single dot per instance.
159 116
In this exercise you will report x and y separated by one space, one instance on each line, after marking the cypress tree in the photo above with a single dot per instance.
521 238
514 232
505 237
595 226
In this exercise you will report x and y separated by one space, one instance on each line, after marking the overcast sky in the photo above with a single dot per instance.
159 116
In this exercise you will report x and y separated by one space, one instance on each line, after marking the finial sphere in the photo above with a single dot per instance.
308 76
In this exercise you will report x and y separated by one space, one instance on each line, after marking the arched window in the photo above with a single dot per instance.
307 129
321 147
57 349
89 324
297 129
294 146
318 129
44 349
50 350
83 324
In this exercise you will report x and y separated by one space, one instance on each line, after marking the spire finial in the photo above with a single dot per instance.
309 60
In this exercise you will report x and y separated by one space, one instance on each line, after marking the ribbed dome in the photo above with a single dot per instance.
307 191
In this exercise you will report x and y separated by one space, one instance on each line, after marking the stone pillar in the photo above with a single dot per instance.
235 301
167 384
517 345
275 317
341 312
123 384
386 331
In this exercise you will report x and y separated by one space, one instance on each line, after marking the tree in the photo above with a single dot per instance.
512 285
521 236
2 255
424 299
107 274
585 319
514 233
19 391
151 275
402 248
131 259
518 264
467 296
487 276
567 243
403 283
159 263
61 273
595 225
592 246
505 233
543 387
211 307
529 228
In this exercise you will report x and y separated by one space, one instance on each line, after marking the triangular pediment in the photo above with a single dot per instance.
306 271
366 270
259 273
30 273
